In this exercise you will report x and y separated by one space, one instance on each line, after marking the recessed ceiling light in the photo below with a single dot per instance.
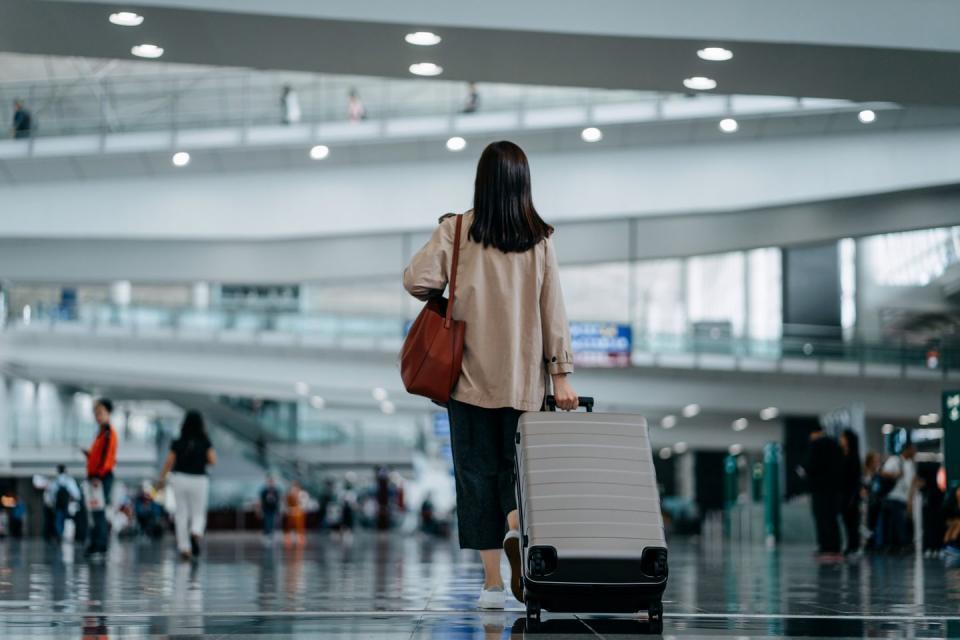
126 19
147 51
425 69
666 453
735 449
423 38
668 422
867 116
740 424
181 159
691 410
456 143
319 152
769 413
388 407
729 125
680 447
379 394
715 54
317 402
700 83
591 134
302 388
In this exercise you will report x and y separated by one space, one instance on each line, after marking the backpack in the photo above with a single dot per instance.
881 486
61 499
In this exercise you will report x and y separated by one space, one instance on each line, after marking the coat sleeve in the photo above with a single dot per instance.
557 348
427 274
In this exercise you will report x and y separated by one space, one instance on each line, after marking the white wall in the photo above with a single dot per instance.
593 183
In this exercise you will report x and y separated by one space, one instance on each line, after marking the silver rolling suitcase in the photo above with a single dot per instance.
591 529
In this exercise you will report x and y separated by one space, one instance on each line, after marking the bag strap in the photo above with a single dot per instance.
448 318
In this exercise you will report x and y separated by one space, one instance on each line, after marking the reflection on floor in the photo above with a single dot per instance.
396 587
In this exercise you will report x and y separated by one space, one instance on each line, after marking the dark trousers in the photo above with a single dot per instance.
851 524
893 524
59 519
825 512
269 522
483 452
100 536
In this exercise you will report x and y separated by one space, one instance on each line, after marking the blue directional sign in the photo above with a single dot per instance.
601 344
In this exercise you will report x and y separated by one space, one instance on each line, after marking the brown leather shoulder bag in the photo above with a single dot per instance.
433 349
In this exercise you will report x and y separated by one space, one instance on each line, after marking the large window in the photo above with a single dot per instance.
765 291
658 297
913 258
716 291
597 292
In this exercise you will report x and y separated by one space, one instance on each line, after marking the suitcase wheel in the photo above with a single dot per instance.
655 616
533 614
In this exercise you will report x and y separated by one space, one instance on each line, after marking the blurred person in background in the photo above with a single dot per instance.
473 98
290 104
824 472
101 461
383 498
897 507
851 490
66 492
872 481
951 516
187 463
22 120
518 335
269 507
355 109
296 532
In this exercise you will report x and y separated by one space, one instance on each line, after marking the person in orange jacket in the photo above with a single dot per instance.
101 460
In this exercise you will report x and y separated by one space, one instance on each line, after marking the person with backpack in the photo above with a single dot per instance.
101 461
900 472
65 492
186 464
269 507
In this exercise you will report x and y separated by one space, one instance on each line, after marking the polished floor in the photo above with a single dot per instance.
410 587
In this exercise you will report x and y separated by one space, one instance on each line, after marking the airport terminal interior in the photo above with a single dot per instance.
207 213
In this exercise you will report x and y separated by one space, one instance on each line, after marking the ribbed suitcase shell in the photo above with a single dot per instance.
586 485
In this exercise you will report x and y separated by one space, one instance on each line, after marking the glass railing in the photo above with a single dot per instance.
218 99
385 332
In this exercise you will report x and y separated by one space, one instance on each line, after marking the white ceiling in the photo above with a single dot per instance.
814 48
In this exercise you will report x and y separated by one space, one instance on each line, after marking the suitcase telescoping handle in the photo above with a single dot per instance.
585 401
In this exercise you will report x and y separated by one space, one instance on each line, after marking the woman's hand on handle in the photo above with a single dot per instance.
564 394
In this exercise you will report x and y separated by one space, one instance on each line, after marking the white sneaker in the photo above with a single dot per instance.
492 598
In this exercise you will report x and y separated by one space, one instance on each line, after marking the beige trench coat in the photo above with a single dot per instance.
517 329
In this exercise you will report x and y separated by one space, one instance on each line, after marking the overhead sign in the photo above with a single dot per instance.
601 344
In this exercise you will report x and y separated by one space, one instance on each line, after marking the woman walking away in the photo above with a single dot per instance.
187 463
508 293
851 490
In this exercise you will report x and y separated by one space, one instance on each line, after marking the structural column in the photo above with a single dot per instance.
6 425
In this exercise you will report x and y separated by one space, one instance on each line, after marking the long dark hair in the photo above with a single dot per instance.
193 429
503 211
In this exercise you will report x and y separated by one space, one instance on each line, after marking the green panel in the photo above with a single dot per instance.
951 436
